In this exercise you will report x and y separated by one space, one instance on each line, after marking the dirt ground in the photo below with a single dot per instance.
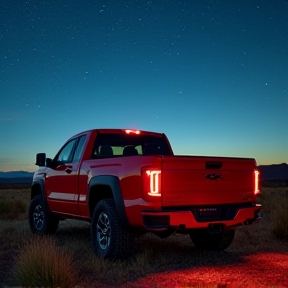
258 270
255 258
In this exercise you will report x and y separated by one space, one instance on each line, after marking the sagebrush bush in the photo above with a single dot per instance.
40 264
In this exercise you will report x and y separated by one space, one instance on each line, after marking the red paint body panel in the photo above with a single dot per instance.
62 187
184 181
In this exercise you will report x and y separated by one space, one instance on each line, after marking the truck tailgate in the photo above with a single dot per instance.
193 180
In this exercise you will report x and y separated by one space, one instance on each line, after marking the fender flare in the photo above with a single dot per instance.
113 183
40 182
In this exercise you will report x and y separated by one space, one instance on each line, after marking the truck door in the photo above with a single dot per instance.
61 183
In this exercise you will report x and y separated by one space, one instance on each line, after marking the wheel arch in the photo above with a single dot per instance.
103 187
37 188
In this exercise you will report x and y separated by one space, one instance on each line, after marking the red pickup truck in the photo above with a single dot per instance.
128 182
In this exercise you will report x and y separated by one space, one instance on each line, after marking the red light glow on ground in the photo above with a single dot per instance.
260 270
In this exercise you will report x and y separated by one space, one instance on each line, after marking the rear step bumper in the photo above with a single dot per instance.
163 220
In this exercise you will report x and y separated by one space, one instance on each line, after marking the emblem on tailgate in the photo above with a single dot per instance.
214 176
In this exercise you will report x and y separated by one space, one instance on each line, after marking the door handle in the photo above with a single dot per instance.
68 169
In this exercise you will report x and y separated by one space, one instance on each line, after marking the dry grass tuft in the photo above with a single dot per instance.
40 264
113 272
12 209
143 259
14 203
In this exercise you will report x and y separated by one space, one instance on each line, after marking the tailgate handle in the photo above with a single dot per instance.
213 165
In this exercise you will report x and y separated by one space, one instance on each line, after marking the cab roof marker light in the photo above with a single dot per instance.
256 180
128 131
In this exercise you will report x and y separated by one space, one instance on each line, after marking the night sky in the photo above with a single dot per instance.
211 74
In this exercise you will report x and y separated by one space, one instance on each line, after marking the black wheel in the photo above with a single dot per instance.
109 239
41 220
204 240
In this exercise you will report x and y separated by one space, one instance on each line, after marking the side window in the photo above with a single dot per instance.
66 154
79 150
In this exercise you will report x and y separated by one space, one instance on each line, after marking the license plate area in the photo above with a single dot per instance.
211 212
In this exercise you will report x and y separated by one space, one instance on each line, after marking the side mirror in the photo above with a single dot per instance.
40 159
49 162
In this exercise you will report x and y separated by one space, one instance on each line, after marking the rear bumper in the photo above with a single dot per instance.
163 220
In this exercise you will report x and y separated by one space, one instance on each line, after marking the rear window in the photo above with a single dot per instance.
115 145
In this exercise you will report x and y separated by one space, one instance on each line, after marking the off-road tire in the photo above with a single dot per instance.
41 220
109 239
205 240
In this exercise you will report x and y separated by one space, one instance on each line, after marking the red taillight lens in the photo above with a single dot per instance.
256 182
155 182
151 181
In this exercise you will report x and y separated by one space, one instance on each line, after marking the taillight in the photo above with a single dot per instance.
151 181
155 182
256 182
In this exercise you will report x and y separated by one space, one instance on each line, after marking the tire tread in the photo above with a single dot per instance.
122 240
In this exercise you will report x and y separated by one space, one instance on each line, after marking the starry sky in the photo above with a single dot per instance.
211 74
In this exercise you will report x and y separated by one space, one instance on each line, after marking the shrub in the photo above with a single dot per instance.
39 264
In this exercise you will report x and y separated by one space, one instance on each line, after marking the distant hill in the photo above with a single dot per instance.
273 172
16 174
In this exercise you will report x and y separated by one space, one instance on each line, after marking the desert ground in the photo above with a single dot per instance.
258 257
